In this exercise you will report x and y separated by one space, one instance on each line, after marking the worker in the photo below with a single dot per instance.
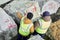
26 25
43 24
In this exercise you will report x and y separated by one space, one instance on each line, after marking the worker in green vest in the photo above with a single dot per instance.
26 26
43 24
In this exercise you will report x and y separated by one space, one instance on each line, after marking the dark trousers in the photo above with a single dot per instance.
42 35
20 37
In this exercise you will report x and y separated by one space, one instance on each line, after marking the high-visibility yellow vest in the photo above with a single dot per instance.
42 29
24 28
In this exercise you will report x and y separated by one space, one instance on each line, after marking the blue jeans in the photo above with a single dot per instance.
20 37
42 35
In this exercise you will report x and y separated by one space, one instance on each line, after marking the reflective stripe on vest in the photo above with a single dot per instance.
43 27
24 28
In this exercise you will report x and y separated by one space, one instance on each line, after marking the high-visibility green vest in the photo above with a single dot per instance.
24 28
42 29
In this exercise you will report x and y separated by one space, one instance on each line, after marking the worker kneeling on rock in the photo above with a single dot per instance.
43 23
26 26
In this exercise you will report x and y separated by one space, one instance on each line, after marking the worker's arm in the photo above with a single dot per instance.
19 15
37 24
32 29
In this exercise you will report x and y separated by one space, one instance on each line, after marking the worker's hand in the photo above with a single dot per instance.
19 15
35 28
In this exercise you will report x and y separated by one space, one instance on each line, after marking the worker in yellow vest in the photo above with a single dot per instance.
43 24
26 26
